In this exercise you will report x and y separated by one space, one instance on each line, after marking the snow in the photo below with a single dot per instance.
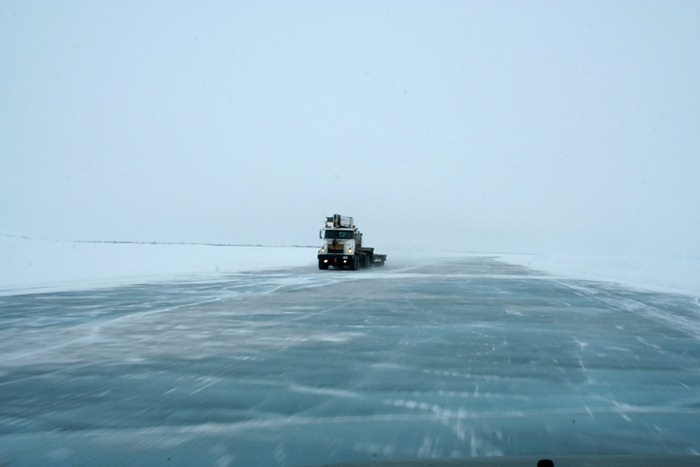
42 265
31 265
672 275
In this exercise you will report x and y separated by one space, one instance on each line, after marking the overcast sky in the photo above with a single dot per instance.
513 126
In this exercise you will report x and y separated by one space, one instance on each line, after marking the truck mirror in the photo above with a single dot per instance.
320 234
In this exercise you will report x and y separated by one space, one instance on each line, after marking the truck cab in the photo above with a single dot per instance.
342 246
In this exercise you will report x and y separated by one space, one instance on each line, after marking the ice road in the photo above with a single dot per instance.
469 357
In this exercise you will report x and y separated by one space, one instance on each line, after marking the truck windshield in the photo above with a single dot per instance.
339 234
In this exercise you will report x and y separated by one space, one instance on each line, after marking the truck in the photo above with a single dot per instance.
342 247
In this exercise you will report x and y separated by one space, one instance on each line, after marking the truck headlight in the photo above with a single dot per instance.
350 250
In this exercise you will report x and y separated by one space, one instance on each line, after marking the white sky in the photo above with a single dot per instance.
528 126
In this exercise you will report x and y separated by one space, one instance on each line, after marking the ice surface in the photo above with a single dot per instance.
456 358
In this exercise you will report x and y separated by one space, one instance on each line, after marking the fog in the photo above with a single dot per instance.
531 127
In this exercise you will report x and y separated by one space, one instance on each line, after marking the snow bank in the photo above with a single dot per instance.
674 275
38 266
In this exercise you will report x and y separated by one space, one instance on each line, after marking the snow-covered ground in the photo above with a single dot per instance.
437 355
42 265
674 275
38 265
